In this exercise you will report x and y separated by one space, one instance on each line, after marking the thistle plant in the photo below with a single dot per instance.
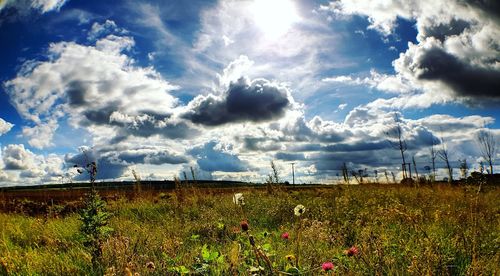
94 217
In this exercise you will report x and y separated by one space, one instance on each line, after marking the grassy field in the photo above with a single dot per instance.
391 230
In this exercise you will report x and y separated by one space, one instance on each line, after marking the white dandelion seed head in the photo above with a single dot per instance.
299 210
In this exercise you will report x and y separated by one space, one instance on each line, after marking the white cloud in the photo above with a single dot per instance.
23 7
47 5
5 126
40 135
86 84
454 59
16 157
382 82
98 30
342 106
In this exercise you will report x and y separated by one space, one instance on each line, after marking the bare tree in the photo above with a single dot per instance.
433 153
487 146
415 167
464 168
443 154
345 173
400 144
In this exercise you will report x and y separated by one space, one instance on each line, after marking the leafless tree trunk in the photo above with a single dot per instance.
487 146
345 173
400 144
464 168
443 154
433 158
415 167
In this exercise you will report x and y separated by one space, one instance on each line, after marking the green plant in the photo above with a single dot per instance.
94 218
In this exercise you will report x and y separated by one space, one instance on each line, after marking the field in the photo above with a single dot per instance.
360 229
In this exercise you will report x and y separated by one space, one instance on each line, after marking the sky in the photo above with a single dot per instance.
225 87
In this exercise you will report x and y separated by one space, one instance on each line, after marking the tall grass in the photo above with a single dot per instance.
397 230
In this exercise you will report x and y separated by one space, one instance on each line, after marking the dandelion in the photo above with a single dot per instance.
299 210
353 251
238 199
244 225
327 266
285 236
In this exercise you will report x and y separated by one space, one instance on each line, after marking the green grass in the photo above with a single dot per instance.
398 230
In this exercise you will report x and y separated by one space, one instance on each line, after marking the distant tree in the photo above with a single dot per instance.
464 168
487 146
428 171
361 174
345 173
193 175
443 154
415 167
398 142
434 154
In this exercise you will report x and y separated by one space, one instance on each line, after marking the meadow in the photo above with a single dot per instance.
343 230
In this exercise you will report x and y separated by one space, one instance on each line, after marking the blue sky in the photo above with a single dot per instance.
226 87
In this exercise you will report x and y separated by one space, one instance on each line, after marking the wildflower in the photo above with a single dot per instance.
238 199
244 225
285 236
290 257
327 266
299 210
150 266
353 251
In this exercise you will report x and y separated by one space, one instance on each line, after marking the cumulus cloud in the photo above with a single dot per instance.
150 156
42 6
5 177
430 61
47 5
256 101
96 85
455 59
16 157
12 10
20 161
99 30
5 126
212 157
149 123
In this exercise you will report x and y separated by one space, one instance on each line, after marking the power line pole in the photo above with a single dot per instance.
293 174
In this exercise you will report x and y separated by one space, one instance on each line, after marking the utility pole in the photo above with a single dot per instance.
293 174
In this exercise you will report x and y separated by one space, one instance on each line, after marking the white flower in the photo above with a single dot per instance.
238 199
299 210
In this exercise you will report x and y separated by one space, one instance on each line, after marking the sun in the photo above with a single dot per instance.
274 17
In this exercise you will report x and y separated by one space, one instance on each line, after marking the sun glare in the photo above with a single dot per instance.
274 17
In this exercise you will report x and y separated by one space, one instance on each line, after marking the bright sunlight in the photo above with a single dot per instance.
274 18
